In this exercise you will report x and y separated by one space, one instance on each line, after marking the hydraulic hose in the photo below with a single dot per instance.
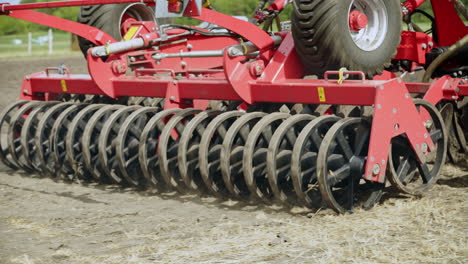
451 50
461 8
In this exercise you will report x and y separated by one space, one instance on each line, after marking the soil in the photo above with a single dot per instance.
47 221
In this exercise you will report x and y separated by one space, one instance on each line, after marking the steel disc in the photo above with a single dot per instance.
128 142
147 101
148 149
59 165
348 111
15 147
5 122
90 141
73 144
255 156
28 132
404 170
107 143
168 148
279 155
43 137
209 152
340 167
304 160
232 152
189 144
457 145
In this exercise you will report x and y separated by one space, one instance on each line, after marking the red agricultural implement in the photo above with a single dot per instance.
311 112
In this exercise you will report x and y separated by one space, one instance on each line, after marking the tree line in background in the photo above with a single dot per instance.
9 26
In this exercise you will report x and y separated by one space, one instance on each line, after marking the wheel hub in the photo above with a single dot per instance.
356 166
357 20
368 23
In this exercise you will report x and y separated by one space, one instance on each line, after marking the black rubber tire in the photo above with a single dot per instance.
107 18
322 40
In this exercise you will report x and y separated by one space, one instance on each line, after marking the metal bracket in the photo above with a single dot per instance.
190 8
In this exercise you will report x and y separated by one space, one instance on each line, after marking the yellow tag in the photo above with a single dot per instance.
64 85
341 76
321 94
207 4
130 33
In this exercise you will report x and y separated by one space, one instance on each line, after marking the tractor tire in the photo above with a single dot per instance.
324 40
109 19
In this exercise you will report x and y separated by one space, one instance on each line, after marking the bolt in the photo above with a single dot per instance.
427 124
424 46
407 95
172 98
395 110
425 135
379 106
383 162
404 10
376 169
431 44
424 147
189 47
372 159
25 91
183 64
27 77
397 126
132 59
454 97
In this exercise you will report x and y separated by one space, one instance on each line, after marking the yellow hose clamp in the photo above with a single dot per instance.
341 75
107 48
246 50
207 4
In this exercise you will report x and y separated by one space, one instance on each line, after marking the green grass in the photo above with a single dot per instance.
61 45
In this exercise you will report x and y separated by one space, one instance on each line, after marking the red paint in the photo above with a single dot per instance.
414 46
357 20
274 76
7 7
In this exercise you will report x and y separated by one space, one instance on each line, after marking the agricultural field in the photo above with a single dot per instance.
47 221
17 45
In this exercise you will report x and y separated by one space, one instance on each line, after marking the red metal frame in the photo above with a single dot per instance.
6 7
449 26
274 76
